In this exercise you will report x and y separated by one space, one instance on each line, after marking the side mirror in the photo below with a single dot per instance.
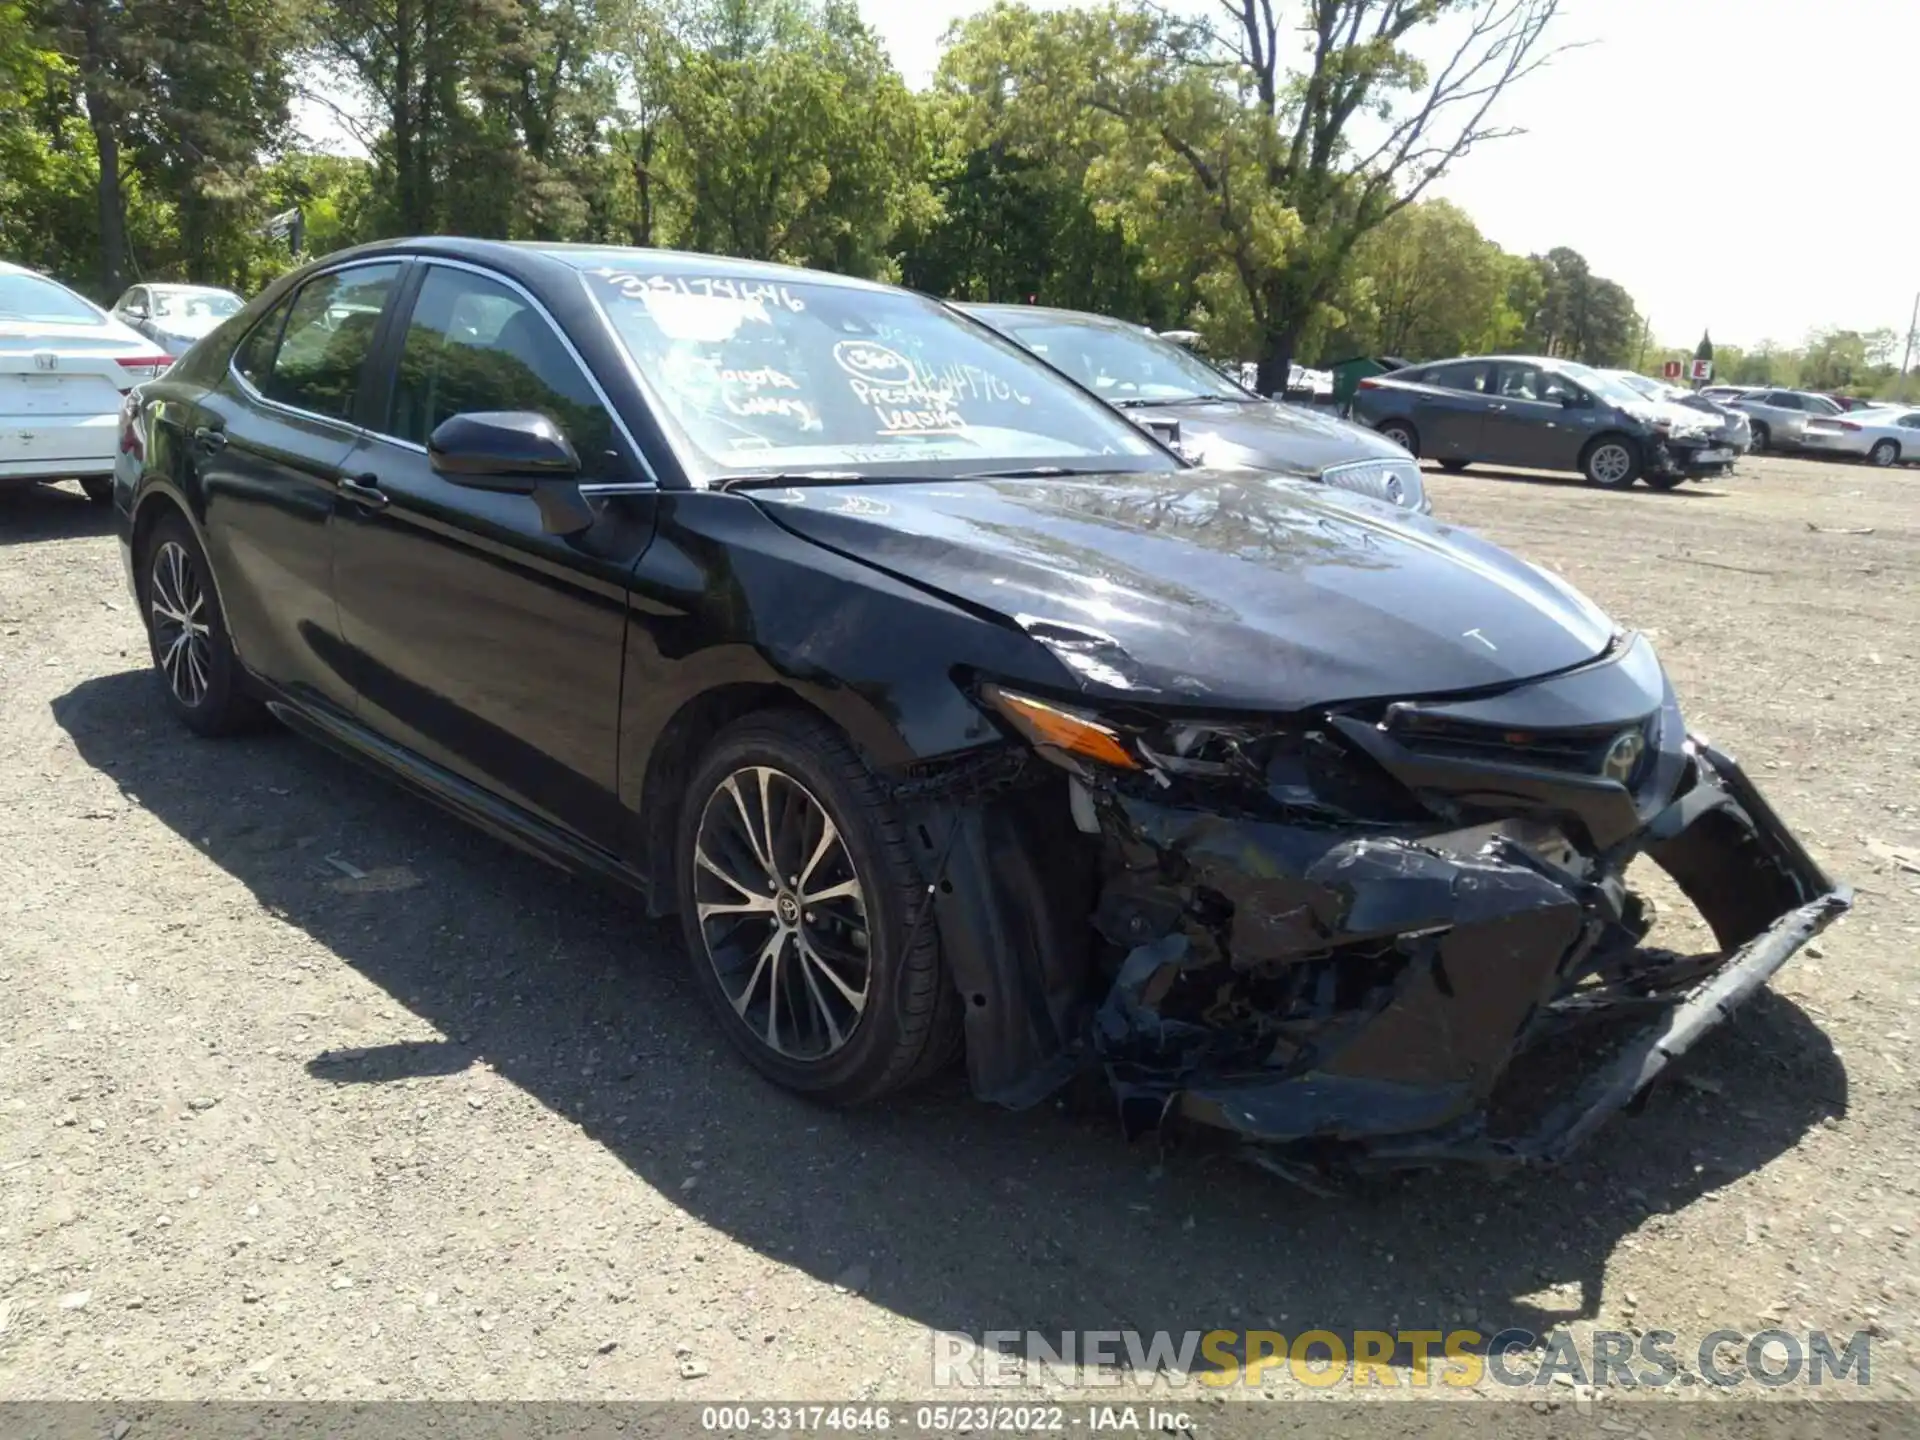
1571 402
137 311
513 452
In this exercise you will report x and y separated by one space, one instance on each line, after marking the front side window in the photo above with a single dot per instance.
1121 364
328 336
475 344
254 359
772 375
34 298
1530 382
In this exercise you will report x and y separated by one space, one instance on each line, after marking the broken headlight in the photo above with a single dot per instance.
1282 768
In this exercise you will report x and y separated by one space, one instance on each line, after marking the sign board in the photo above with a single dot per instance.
1702 370
1673 370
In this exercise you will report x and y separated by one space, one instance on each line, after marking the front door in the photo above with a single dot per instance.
1536 418
267 444
478 640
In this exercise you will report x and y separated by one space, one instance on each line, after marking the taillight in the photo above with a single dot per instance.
145 367
1843 424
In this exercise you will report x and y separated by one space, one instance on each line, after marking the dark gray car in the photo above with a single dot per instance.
1543 414
1219 422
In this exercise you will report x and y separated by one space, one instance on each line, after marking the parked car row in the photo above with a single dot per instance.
953 712
1882 434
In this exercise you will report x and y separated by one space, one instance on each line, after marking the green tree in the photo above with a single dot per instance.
773 128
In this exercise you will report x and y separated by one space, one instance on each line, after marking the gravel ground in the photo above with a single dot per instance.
307 1090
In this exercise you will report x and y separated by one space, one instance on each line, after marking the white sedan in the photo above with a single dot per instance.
65 367
1880 434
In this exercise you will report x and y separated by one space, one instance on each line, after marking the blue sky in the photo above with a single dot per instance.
1749 165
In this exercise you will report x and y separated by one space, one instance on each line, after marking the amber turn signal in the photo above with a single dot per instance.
1052 727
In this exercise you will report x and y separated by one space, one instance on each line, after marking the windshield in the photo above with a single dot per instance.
1640 384
198 305
1117 362
1602 384
28 297
774 376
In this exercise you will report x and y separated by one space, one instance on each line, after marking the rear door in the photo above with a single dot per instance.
267 444
1449 407
479 641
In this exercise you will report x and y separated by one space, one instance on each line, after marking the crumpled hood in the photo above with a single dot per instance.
1209 588
1680 417
1270 436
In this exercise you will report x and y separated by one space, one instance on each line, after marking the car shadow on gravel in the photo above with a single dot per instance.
948 1211
32 513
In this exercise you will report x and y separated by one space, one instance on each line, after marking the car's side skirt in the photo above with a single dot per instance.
472 803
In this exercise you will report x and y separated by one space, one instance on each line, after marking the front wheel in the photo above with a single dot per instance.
1762 437
805 917
1612 462
1454 467
1884 453
1665 482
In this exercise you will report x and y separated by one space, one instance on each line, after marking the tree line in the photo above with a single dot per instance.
1264 182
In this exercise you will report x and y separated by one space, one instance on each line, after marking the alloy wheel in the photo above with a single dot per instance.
182 634
1611 464
1399 436
1883 453
782 913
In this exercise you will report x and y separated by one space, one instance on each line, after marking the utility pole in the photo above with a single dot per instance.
1900 390
1646 330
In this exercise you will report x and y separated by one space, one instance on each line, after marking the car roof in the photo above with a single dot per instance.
1053 312
168 287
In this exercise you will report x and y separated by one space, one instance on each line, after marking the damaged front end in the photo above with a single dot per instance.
1336 935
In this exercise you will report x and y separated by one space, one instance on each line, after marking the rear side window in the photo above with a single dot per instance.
476 344
1473 378
328 336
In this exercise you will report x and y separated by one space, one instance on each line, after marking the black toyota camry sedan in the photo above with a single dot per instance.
949 710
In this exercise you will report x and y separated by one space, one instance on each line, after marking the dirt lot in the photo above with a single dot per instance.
435 1121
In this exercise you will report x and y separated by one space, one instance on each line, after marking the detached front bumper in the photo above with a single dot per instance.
1712 456
1358 1002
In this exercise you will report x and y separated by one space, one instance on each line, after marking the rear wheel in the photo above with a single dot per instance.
1612 462
187 634
1884 453
1456 466
98 488
804 915
1402 434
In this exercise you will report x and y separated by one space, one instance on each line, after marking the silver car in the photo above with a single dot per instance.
1779 417
1880 434
174 316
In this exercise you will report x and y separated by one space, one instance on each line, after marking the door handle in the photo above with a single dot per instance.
210 438
364 490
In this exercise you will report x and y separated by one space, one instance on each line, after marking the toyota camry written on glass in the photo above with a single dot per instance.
796 377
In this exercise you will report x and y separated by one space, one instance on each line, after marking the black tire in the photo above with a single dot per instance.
908 1026
98 488
1884 453
1762 437
202 684
1402 433
1664 482
1611 462
1455 466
